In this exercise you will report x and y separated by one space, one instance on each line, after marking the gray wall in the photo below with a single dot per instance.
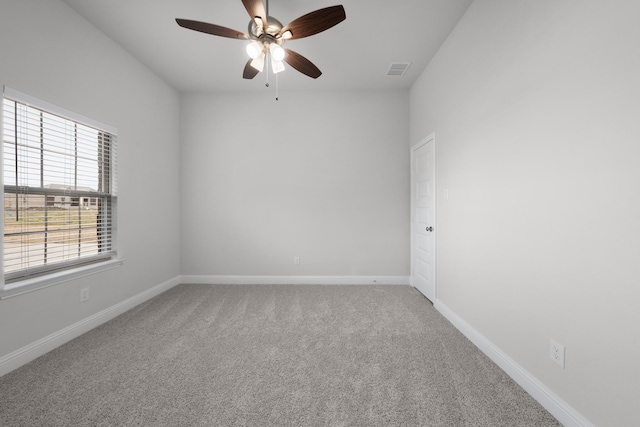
323 176
48 51
536 109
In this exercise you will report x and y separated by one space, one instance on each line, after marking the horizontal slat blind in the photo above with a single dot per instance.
59 191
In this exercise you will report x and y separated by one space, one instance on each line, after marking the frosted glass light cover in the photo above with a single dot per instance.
254 49
277 66
258 63
277 52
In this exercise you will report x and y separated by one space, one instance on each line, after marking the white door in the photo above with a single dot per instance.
423 231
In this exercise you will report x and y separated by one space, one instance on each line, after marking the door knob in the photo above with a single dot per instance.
429 228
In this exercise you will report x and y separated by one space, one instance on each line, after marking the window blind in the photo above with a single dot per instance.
59 176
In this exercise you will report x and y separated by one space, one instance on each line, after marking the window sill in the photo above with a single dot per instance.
25 286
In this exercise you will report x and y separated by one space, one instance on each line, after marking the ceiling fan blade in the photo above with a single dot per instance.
302 64
315 22
207 28
249 72
256 8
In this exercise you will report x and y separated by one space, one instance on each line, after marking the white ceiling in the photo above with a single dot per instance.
354 55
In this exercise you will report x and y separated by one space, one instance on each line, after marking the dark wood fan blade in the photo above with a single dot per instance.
315 22
256 8
249 72
207 28
302 64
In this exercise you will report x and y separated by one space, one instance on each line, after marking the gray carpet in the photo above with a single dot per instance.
202 355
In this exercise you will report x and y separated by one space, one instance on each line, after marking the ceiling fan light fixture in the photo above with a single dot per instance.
286 35
276 65
254 49
277 53
258 63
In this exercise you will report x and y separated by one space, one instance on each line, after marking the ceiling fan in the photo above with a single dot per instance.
267 36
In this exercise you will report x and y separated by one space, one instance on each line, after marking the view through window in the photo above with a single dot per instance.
59 192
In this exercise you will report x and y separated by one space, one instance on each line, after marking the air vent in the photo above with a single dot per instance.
398 68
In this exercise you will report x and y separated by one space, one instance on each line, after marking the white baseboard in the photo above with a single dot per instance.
297 280
548 399
38 348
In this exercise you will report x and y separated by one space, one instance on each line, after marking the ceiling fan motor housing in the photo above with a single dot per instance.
269 34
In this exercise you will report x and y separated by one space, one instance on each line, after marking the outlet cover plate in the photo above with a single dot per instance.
556 353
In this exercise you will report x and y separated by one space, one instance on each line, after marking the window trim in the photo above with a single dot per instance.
30 284
55 278
44 105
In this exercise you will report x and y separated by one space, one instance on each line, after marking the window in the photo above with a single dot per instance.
55 162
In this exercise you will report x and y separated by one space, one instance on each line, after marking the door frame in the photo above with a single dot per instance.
430 139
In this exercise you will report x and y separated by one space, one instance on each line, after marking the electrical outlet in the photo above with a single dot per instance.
296 260
556 353
84 294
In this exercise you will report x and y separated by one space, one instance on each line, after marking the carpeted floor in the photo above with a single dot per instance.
203 355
